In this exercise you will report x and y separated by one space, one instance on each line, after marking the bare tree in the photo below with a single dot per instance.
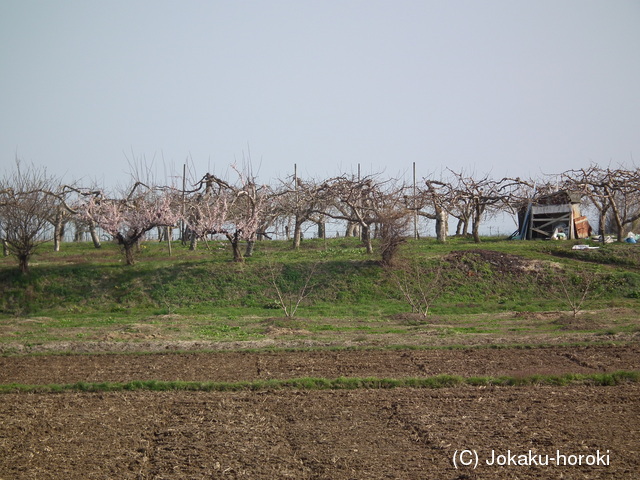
395 221
26 202
575 289
434 202
290 290
303 201
480 198
368 202
420 285
62 214
611 191
353 200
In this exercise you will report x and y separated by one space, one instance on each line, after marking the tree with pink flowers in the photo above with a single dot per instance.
217 207
129 218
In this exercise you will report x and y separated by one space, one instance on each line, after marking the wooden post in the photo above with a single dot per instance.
415 209
183 227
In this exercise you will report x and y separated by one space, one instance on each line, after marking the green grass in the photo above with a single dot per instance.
342 383
82 293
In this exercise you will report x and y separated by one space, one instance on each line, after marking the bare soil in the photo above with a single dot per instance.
355 434
239 366
502 263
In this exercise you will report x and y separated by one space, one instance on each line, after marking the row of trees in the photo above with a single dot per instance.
36 207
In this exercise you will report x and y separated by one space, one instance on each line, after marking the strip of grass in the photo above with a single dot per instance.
342 383
334 348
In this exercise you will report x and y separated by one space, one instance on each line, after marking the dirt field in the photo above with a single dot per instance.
237 366
355 434
359 434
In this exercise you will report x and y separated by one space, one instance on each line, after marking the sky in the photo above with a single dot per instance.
500 87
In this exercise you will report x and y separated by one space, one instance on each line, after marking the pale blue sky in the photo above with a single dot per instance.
502 86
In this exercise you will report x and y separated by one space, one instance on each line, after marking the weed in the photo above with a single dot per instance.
291 287
420 285
574 289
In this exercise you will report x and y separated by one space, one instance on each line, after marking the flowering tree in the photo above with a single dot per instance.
128 219
217 207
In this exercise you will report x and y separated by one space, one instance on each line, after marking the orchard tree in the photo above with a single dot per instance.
369 201
479 198
217 207
61 214
614 192
26 201
128 218
302 201
394 219
433 202
81 227
353 200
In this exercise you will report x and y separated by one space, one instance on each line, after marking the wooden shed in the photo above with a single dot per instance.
548 215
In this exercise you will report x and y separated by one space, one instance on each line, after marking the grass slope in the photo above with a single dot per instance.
81 293
80 279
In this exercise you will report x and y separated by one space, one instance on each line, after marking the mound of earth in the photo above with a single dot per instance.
501 263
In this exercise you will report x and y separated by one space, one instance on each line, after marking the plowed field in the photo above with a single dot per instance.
237 366
355 434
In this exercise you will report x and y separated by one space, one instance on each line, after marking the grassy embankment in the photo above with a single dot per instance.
83 294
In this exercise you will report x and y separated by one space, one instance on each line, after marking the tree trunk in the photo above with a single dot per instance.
618 221
475 228
353 230
349 231
193 241
249 250
56 240
321 230
58 232
366 238
235 245
129 248
602 224
442 225
5 248
23 263
94 235
297 233
169 232
78 234
237 254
